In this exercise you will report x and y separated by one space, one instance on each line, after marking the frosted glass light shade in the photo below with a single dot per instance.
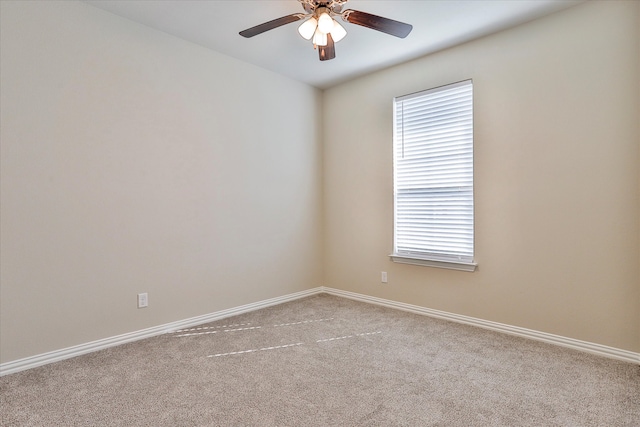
325 23
320 38
308 28
337 32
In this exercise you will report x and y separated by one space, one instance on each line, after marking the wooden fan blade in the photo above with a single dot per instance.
329 51
386 25
259 29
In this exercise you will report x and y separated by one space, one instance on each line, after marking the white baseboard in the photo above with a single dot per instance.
601 350
67 353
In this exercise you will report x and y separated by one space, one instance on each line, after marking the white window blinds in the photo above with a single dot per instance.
433 173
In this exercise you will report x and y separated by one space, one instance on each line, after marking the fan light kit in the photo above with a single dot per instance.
323 30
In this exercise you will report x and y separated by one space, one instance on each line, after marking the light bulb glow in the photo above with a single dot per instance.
319 38
325 23
308 28
337 32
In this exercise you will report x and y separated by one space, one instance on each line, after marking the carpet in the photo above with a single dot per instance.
327 361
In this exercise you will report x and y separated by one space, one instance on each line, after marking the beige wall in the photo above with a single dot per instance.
556 178
132 162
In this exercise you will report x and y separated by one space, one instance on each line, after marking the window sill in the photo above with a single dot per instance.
433 262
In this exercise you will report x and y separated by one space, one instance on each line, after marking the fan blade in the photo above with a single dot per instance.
259 29
386 25
329 51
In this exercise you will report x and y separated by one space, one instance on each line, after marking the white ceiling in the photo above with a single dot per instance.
437 24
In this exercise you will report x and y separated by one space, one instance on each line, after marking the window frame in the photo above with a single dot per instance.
431 258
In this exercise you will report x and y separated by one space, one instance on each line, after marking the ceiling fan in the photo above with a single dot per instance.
324 31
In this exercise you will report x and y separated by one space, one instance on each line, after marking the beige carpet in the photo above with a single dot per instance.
327 361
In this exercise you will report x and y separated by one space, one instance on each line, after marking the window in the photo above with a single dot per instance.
433 177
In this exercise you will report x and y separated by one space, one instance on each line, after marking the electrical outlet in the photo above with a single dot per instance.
383 277
143 300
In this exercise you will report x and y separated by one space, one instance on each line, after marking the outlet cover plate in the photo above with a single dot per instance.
143 300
